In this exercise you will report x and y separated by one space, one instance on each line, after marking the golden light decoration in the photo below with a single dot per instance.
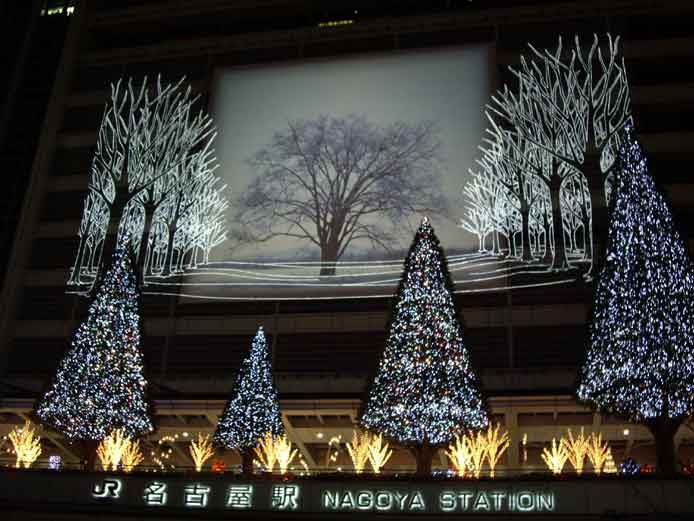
27 445
478 452
609 467
576 449
132 455
379 453
285 453
266 451
111 448
598 452
358 450
556 457
201 450
496 444
459 454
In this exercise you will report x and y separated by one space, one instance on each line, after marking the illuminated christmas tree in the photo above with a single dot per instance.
425 391
253 410
99 385
640 363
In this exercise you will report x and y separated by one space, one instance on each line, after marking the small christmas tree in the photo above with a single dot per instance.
640 363
99 385
253 410
425 391
609 467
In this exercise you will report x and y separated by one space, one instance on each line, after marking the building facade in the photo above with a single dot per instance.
526 342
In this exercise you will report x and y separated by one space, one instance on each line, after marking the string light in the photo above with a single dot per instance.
200 450
379 453
576 449
425 390
110 450
459 454
640 363
253 409
496 443
132 456
285 453
598 452
478 453
555 457
27 445
358 450
266 451
99 385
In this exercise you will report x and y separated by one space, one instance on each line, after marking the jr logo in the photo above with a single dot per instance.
108 488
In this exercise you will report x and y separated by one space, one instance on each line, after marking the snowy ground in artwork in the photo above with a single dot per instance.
471 272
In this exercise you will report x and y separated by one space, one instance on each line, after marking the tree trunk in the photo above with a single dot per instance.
495 242
328 258
598 202
77 269
664 430
481 244
512 243
527 254
423 454
90 447
168 260
587 243
144 244
111 240
548 255
247 461
560 262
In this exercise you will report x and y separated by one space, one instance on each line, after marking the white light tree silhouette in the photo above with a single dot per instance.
154 149
570 108
332 181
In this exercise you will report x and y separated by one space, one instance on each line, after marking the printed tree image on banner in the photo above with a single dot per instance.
334 181
153 183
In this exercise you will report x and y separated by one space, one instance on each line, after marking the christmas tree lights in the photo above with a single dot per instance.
99 385
253 410
640 363
425 391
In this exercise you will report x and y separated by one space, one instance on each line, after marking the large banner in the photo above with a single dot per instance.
333 164
308 179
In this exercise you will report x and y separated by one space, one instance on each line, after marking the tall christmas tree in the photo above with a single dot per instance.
253 409
640 362
425 390
99 385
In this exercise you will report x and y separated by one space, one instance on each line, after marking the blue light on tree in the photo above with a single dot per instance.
253 409
640 362
425 390
100 385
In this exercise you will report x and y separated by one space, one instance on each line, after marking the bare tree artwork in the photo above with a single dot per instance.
152 173
335 181
551 145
